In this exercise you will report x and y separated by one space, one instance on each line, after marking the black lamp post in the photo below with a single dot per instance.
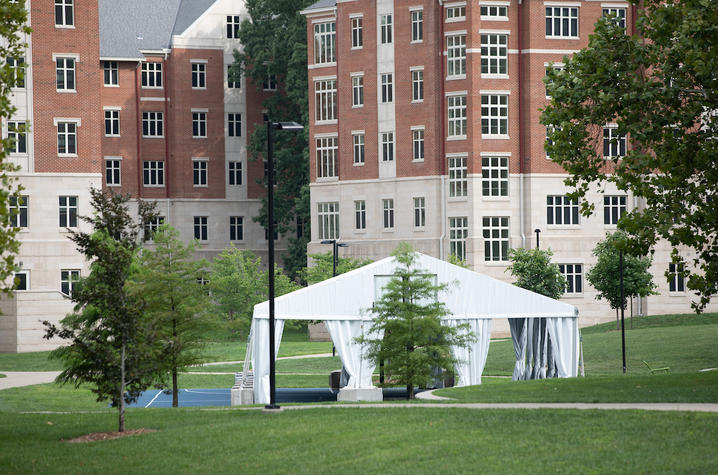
270 216
623 330
335 259
537 231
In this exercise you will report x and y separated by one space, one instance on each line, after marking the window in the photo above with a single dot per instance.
200 228
111 73
496 238
360 214
386 29
561 22
458 232
233 26
325 42
68 280
232 81
112 122
326 157
358 143
561 210
151 74
618 13
22 281
18 71
153 173
68 211
613 208
387 146
457 116
555 67
495 176
325 100
112 171
328 214
458 183
417 85
199 172
494 54
456 56
387 88
455 12
676 278
235 173
270 82
234 124
494 12
18 211
419 212
614 144
574 277
357 32
199 124
64 14
151 226
17 134
417 140
276 233
236 228
358 90
65 74
199 76
550 129
67 138
417 25
152 124
388 213
494 115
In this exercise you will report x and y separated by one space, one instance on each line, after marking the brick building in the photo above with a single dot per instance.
130 96
424 127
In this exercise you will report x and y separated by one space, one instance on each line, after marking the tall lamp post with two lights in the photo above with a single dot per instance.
293 126
335 261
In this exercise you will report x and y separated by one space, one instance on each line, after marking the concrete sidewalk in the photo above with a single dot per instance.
17 379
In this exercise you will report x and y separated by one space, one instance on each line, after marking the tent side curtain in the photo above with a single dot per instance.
472 359
260 356
545 347
353 355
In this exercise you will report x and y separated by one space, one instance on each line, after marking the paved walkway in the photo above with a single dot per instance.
16 379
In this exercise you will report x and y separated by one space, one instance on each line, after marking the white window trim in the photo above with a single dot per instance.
200 159
106 158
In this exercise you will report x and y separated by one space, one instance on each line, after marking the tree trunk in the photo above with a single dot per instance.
618 322
122 390
410 390
631 313
175 398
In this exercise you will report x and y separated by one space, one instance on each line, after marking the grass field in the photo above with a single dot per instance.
351 440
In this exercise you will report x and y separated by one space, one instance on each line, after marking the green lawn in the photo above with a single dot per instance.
350 440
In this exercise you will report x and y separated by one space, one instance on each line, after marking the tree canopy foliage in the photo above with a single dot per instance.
111 343
167 280
409 337
535 272
237 282
605 275
13 31
659 87
274 42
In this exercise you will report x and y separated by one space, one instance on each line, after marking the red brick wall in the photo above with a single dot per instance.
83 104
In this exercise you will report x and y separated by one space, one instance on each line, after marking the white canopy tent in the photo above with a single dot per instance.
544 330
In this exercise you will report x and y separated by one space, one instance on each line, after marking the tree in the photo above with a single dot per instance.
237 283
166 282
13 28
457 261
535 272
660 89
323 267
274 42
408 315
605 275
111 342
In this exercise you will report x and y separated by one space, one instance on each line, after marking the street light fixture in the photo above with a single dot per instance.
270 216
537 231
335 253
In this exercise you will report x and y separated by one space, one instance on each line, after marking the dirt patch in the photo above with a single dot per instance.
97 436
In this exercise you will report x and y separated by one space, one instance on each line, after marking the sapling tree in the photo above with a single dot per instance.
534 271
111 343
408 315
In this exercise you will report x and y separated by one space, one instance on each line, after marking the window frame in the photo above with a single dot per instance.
614 207
17 133
387 146
458 234
200 172
153 121
68 212
110 74
573 273
199 123
357 90
236 228
113 171
417 25
497 240
18 71
458 176
456 56
199 74
233 23
456 111
234 124
112 121
387 88
419 212
234 173
562 211
357 27
67 71
620 147
67 137
495 176
201 228
153 173
325 100
358 148
494 55
326 153
359 215
19 211
676 278
417 84
151 75
328 220
556 18
68 279
325 42
386 29
418 143
387 205
493 16
61 14
491 121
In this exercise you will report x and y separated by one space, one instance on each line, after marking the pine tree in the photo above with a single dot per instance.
408 316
